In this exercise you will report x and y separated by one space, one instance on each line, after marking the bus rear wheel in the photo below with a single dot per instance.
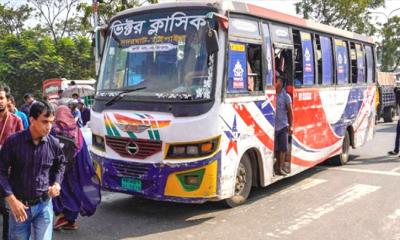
388 114
243 183
344 156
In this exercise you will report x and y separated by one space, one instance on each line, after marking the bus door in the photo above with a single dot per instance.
283 65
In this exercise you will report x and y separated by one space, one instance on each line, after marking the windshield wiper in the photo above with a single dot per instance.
122 94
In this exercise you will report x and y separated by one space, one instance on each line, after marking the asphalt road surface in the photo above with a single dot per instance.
356 201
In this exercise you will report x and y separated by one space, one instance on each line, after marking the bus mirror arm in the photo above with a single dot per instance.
211 36
212 41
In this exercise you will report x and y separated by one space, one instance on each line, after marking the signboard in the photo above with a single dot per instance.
308 59
326 49
342 62
237 72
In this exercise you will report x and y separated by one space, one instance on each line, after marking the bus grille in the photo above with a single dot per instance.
134 148
125 169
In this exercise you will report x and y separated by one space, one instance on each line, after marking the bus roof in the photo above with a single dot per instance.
225 6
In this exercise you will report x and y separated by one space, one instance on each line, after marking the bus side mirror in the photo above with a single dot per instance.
103 34
212 41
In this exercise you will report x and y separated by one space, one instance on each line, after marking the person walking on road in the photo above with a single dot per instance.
13 109
31 171
80 188
29 100
9 124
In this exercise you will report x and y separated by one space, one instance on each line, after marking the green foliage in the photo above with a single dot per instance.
389 48
12 20
349 15
107 9
28 59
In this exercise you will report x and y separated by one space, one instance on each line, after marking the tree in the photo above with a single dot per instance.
351 15
56 15
107 9
389 48
12 20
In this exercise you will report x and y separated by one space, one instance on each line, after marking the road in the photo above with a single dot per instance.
357 201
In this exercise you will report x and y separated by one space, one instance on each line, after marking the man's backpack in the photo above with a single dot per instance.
68 147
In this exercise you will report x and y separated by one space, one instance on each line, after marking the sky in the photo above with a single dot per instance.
286 6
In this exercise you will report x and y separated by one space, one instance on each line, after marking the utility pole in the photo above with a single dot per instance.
96 30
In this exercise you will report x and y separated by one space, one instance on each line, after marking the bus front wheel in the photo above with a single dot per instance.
243 183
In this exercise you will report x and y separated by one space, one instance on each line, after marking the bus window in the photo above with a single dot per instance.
268 55
244 28
304 58
370 63
254 78
353 62
342 62
360 63
325 60
244 68
298 59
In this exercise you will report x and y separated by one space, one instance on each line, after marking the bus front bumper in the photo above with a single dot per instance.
193 182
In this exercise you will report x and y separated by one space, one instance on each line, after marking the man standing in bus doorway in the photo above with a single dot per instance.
283 125
9 124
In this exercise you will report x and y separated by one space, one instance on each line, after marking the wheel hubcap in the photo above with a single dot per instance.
240 179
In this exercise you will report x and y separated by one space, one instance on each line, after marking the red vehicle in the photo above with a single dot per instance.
51 86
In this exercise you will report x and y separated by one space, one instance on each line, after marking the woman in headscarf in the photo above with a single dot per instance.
80 189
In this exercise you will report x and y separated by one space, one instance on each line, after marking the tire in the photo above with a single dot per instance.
243 183
343 157
388 114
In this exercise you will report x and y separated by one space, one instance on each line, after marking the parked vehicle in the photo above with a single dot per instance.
386 103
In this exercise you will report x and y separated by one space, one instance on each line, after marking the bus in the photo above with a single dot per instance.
175 118
50 87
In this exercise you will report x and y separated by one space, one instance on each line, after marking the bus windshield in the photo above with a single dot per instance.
162 53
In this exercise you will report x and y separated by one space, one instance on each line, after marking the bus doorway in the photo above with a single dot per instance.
284 113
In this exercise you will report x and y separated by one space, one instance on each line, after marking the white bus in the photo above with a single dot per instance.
175 117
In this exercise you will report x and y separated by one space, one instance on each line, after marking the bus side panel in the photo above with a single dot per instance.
322 117
247 125
364 123
314 140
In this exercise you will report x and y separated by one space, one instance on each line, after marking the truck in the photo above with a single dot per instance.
386 97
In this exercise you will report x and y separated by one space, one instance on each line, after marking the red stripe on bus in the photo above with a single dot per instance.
249 120
304 163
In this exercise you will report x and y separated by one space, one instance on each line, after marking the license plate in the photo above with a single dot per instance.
131 184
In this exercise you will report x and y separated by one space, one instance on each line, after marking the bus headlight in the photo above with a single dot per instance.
98 142
192 150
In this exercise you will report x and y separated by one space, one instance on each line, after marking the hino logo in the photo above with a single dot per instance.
139 128
132 148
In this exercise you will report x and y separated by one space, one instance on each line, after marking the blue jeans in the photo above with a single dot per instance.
40 218
396 144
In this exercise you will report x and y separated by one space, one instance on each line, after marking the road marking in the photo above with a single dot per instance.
387 173
302 186
395 169
392 220
311 214
111 197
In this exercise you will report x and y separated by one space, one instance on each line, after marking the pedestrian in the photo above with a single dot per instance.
29 100
80 189
31 170
283 126
73 105
14 110
85 112
397 139
75 96
9 124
